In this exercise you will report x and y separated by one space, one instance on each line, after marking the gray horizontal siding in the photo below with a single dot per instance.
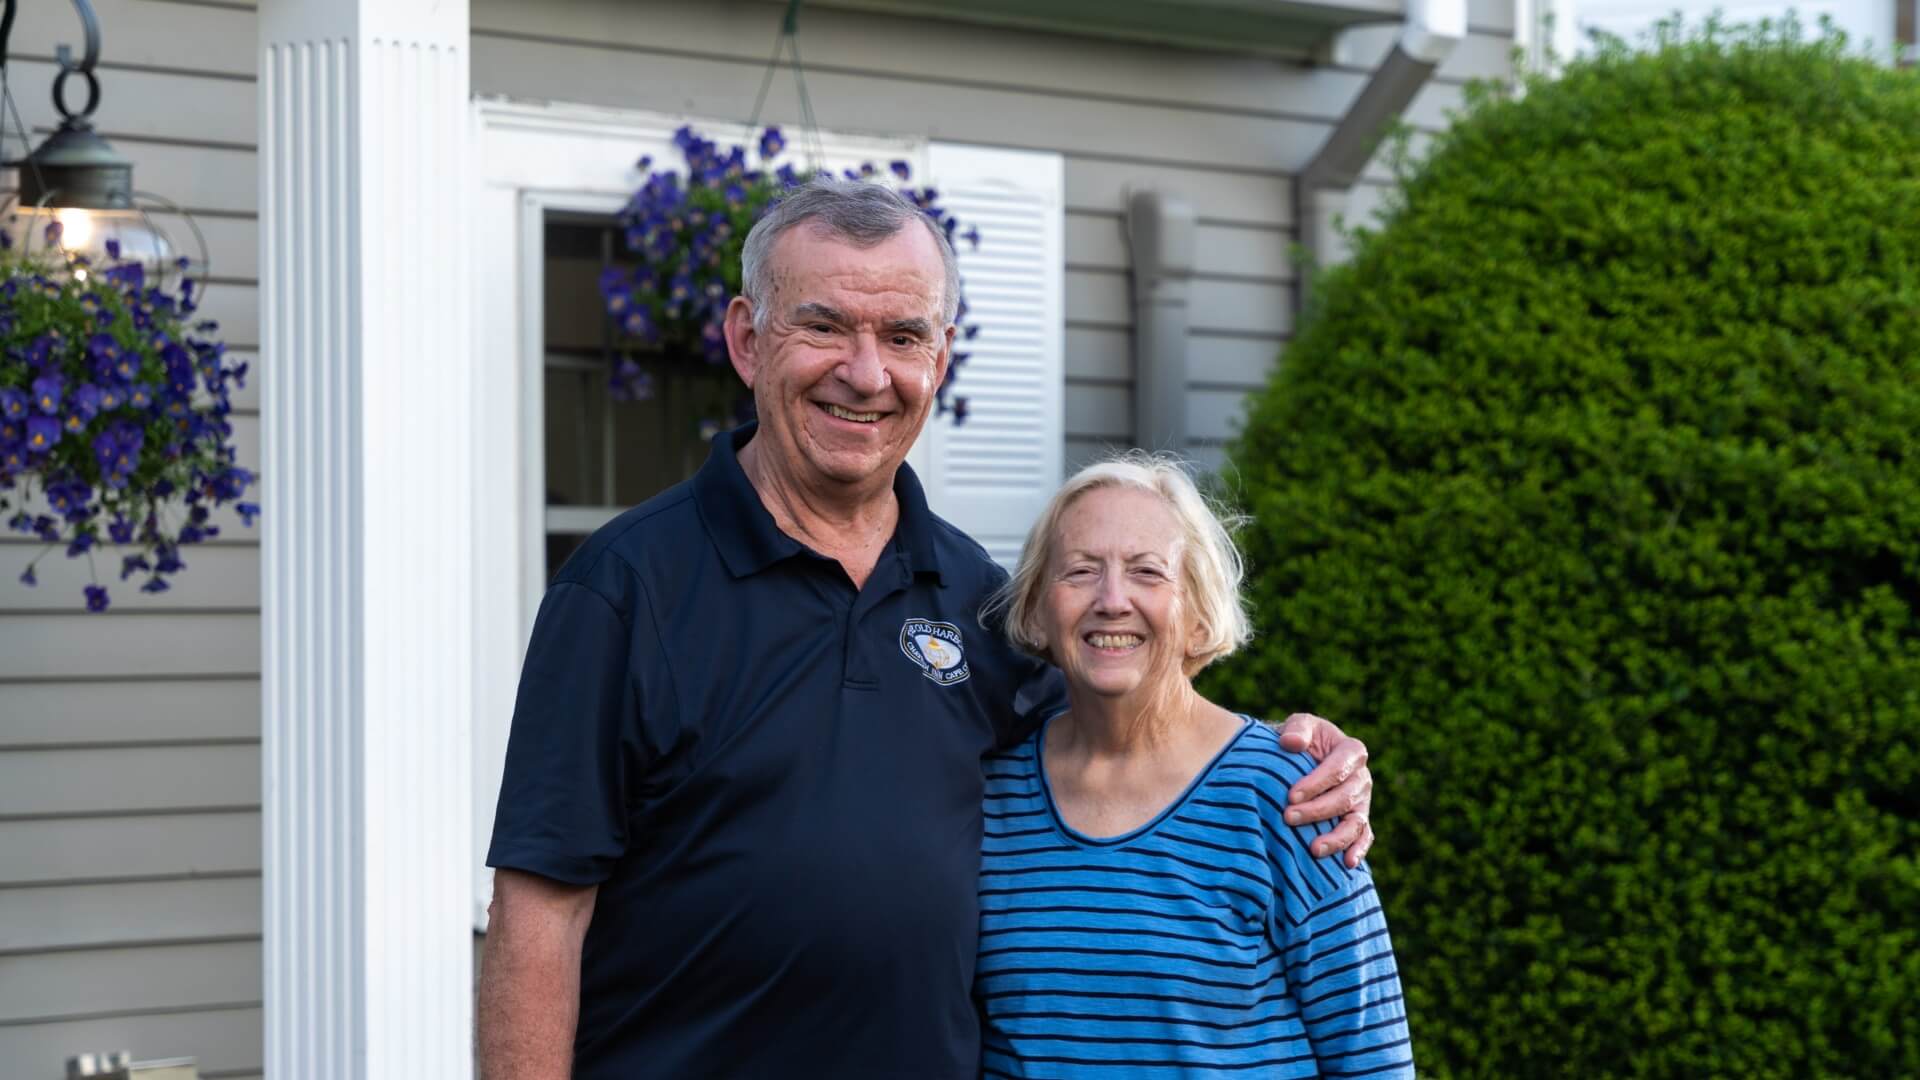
129 742
1224 131
131 711
66 918
113 848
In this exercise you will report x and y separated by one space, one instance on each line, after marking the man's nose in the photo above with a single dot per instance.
864 372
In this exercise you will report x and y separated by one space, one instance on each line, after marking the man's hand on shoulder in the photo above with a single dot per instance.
1341 786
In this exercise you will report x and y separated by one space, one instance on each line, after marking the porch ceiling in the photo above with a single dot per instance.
1274 27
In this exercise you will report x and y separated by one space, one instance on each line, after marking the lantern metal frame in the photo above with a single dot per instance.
74 168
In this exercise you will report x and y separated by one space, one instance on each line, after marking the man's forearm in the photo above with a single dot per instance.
529 1003
528 1010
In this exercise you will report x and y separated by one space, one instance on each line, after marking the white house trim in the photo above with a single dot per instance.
367 559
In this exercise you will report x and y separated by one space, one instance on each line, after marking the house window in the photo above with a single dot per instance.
604 455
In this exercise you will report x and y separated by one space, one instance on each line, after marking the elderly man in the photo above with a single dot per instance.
740 828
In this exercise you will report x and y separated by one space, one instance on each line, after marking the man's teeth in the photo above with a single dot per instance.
849 414
1114 641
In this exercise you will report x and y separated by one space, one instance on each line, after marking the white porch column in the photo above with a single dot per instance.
367 488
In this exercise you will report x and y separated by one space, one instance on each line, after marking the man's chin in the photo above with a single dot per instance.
854 466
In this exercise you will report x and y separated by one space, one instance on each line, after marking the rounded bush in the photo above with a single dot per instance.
1588 492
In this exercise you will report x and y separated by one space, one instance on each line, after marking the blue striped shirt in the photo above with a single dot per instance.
1206 941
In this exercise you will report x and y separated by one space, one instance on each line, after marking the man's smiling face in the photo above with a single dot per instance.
855 345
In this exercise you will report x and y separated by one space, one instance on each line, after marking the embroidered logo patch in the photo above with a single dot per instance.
935 646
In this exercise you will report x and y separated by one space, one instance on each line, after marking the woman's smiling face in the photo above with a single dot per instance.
1112 615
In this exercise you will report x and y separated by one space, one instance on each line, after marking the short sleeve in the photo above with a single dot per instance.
563 795
1328 924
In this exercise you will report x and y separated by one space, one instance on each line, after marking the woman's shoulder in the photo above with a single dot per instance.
1258 756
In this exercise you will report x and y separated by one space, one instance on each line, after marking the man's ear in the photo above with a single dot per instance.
945 359
742 341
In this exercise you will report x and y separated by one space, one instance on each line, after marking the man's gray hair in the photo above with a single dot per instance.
858 212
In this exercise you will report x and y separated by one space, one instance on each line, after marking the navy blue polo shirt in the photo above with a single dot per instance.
775 781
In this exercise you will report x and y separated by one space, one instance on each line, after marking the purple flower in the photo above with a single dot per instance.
13 404
771 143
131 563
47 390
81 544
972 236
28 578
43 434
104 349
121 531
231 483
155 584
247 511
70 500
640 324
83 408
96 598
901 169
40 350
713 341
13 458
140 396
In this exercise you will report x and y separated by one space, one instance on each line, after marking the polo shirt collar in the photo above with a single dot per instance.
745 534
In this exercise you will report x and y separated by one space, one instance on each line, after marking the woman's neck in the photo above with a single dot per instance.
1143 722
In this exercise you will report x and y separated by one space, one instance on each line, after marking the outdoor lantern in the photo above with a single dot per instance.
76 192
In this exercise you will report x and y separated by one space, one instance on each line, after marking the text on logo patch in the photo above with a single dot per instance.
936 648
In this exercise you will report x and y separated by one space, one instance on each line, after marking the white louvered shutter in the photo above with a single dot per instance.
992 475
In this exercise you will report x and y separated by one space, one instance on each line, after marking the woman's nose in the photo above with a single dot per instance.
1113 594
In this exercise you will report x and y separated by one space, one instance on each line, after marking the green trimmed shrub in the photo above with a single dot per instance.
1589 493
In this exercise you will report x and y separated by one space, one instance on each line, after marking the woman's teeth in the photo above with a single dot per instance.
1113 641
849 414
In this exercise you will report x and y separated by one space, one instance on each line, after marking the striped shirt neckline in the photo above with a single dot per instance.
1075 836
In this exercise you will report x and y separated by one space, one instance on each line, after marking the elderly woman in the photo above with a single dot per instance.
1145 909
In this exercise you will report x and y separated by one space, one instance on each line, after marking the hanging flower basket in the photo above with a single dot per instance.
113 415
686 234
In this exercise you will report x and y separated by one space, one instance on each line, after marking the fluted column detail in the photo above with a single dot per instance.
367 554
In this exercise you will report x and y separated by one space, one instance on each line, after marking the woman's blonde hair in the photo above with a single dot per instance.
1210 567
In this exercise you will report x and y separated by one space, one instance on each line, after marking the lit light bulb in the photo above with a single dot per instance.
76 228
